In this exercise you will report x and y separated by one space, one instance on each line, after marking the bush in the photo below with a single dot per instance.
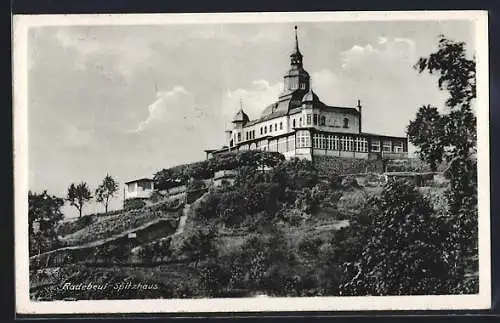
403 254
349 182
213 278
309 246
134 204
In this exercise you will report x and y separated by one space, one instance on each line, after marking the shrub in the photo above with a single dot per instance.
213 278
403 254
134 204
309 246
349 182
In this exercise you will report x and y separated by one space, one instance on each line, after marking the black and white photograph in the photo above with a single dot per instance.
251 162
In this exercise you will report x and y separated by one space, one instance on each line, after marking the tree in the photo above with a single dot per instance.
46 210
106 191
426 132
78 196
458 136
402 254
456 130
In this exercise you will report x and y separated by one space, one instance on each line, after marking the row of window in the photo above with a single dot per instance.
327 142
250 135
293 84
316 120
387 146
331 142
345 143
263 130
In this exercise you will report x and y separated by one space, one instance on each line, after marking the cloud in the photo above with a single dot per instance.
382 40
254 99
381 75
261 94
327 85
128 53
387 51
169 107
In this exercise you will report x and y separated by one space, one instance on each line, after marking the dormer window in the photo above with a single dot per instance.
346 123
322 121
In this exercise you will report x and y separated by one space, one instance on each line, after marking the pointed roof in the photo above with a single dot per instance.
241 116
296 51
310 96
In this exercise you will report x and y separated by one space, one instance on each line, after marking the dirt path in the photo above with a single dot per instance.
182 220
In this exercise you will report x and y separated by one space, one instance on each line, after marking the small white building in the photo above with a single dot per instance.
140 188
224 176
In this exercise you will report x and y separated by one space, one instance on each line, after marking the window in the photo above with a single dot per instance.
281 125
322 142
315 119
302 86
322 121
398 148
282 145
253 134
246 135
270 128
361 145
350 144
239 136
387 146
346 123
294 123
316 140
375 146
265 129
131 187
303 139
308 119
275 127
300 122
261 130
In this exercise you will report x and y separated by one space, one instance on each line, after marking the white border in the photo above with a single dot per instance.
24 305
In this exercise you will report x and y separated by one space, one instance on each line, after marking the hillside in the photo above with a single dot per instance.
288 231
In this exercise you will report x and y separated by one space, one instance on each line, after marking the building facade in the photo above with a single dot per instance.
139 189
300 125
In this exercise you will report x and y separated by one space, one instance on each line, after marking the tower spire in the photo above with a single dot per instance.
296 56
296 41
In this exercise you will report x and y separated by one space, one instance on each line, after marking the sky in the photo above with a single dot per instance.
130 100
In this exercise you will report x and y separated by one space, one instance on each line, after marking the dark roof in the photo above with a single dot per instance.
241 116
310 96
380 135
145 179
270 116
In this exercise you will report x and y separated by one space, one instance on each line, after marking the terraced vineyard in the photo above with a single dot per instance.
106 227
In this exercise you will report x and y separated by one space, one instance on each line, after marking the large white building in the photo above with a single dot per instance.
300 125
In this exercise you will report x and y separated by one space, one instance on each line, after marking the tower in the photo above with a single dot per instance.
296 78
239 121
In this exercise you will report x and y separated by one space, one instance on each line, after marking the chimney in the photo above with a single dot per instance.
359 109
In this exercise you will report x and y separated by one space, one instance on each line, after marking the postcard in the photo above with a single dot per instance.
251 162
